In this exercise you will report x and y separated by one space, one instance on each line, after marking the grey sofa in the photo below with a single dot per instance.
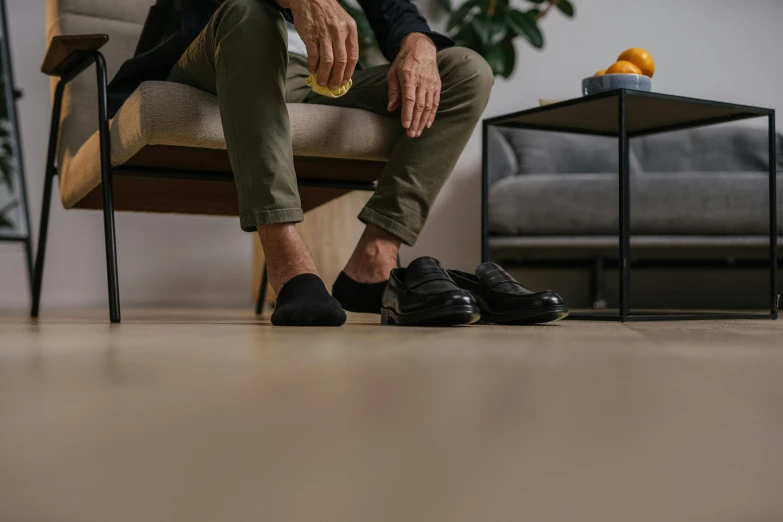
698 195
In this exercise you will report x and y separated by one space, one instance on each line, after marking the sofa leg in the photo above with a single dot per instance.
108 195
262 291
598 285
50 172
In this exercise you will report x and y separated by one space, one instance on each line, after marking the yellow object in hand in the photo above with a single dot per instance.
324 90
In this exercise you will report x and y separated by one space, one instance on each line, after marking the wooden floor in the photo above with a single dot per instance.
194 415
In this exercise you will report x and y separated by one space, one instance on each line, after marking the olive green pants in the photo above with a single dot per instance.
242 57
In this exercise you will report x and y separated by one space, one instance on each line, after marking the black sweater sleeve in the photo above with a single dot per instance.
393 20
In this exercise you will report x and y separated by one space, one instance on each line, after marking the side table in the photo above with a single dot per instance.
625 114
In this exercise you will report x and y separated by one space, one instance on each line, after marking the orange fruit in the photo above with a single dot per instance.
600 73
623 67
641 59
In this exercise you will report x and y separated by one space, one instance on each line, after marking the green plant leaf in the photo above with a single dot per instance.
525 26
462 14
496 60
467 37
537 1
499 30
510 56
445 5
479 28
6 172
490 31
566 7
502 58
5 221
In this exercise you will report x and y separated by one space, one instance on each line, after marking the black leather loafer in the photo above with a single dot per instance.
424 295
504 301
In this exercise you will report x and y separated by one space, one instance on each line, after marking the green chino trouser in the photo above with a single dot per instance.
242 57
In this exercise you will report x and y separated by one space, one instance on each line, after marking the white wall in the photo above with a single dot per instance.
718 49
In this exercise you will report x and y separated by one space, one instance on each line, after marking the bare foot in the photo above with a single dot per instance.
374 257
285 253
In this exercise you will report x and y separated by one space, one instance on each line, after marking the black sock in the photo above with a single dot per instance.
304 301
363 298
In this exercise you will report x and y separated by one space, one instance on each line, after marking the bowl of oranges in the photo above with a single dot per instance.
633 69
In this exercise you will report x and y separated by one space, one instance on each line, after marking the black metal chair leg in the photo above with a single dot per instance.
262 292
41 252
108 196
29 261
51 170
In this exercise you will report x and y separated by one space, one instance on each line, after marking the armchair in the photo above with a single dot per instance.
164 150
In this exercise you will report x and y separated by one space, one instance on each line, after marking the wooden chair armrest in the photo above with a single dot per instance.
59 57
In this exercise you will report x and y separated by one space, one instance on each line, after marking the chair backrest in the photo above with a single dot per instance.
122 20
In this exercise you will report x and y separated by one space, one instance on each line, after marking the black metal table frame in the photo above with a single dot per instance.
624 313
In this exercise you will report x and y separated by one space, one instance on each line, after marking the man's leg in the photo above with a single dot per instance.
417 167
242 57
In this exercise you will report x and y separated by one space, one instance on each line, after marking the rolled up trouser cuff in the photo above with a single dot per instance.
250 220
368 216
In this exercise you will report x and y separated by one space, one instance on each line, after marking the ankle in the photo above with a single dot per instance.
286 255
370 269
374 257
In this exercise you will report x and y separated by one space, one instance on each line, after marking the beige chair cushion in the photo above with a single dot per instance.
170 114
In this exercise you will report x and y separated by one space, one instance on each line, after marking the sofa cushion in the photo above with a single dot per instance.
727 148
501 157
685 203
544 152
164 113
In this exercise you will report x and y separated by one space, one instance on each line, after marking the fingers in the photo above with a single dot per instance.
325 60
331 38
435 105
352 47
340 54
312 56
418 110
408 100
394 89
427 114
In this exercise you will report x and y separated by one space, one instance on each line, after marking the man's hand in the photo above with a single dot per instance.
330 35
414 82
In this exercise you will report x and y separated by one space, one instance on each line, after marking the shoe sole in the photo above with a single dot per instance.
452 316
528 317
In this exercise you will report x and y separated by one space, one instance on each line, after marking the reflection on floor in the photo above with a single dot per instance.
209 415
